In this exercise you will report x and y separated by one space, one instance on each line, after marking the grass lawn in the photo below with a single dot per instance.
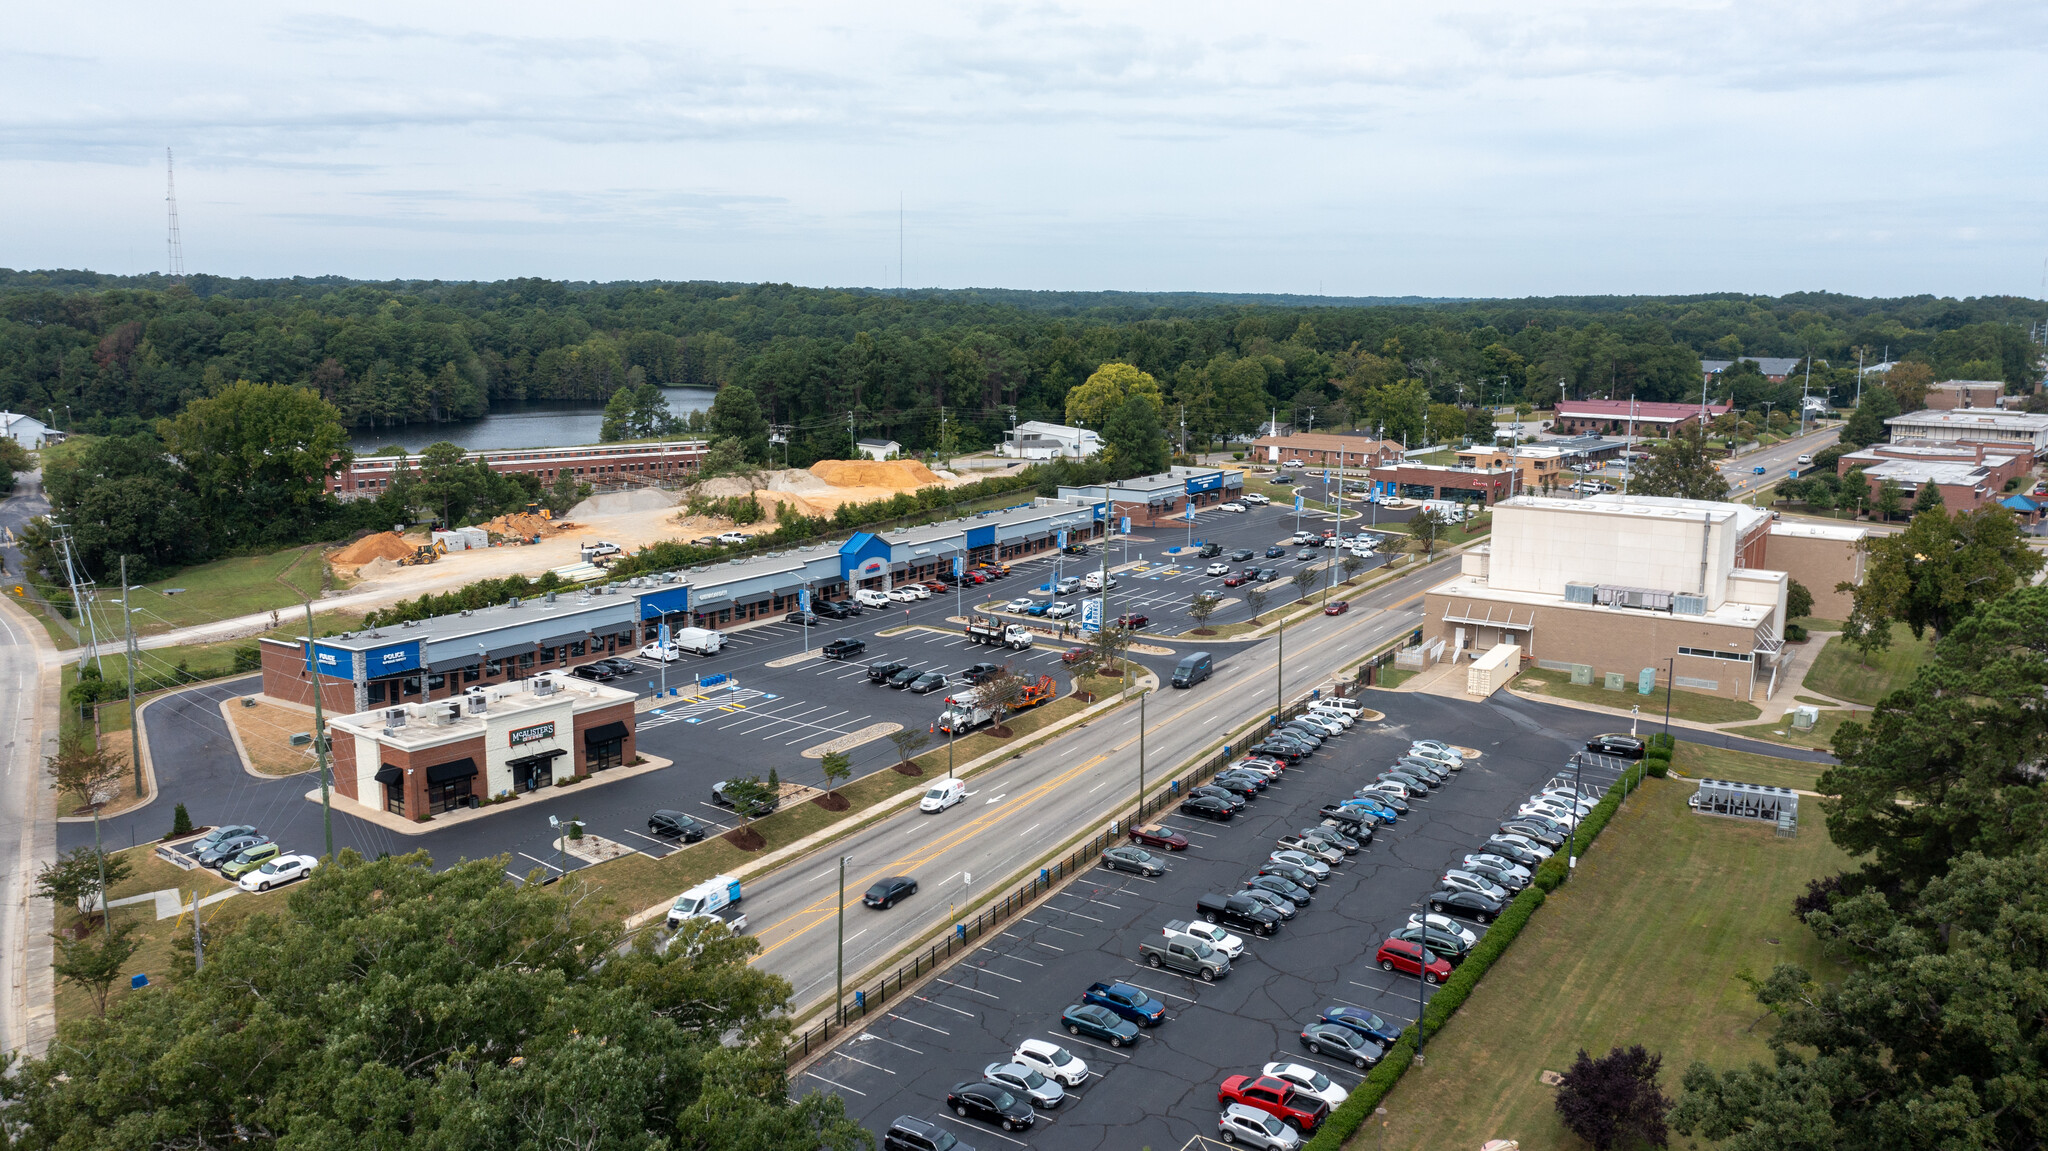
1702 762
1821 738
1815 623
227 588
159 956
1841 671
1391 677
1648 944
1694 706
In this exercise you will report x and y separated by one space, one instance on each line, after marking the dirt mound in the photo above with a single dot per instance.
776 503
519 524
902 475
381 546
377 568
620 503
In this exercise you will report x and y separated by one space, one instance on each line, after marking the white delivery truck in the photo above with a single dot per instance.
1450 510
697 640
716 898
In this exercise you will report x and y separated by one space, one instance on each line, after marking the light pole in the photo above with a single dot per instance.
319 739
1670 673
1140 817
1571 853
839 967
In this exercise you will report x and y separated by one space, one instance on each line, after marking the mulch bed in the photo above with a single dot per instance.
907 769
832 801
746 839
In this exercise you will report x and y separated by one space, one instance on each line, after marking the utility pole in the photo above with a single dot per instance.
853 437
129 654
1804 388
320 738
1183 430
91 650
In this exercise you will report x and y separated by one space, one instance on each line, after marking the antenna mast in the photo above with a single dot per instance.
177 249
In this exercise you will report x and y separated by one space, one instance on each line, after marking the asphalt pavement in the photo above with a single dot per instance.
27 808
1161 1092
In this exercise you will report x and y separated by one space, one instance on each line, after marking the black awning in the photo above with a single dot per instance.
389 774
456 769
565 638
537 757
510 649
451 662
605 732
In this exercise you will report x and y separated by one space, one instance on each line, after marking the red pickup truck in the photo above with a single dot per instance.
1276 1097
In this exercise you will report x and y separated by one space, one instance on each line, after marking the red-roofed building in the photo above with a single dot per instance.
1615 417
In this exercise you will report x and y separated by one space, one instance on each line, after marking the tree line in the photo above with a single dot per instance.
113 354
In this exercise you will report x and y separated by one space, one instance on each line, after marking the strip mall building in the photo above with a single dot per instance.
449 656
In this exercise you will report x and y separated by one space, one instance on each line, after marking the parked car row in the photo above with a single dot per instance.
253 860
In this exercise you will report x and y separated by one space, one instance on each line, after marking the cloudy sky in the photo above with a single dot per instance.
1439 148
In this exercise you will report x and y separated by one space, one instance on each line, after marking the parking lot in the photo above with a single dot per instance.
1161 1091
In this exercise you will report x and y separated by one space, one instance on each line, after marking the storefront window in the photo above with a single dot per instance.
412 685
436 681
377 692
525 660
575 647
450 795
470 674
394 797
495 668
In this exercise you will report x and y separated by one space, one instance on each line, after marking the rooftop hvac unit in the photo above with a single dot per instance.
394 717
1687 603
451 713
550 597
465 613
478 703
512 602
542 685
1578 593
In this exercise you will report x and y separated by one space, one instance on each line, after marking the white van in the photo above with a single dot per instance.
943 795
870 597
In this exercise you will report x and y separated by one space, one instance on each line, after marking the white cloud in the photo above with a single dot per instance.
1454 148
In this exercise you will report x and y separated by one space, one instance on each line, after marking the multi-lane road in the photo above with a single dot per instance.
27 809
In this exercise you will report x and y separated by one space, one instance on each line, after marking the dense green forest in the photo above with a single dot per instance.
114 354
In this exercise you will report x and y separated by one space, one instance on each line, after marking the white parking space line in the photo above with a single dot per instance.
1168 994
542 862
1347 1069
976 990
1019 958
979 1131
987 970
657 842
915 1023
1077 1041
863 1062
871 1037
840 1086
955 1010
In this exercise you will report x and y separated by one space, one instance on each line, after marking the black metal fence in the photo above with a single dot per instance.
967 933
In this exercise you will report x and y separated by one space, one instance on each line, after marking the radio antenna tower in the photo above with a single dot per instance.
171 200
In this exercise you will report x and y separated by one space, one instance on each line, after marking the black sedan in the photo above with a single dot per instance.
1469 904
1276 552
1290 753
884 893
1542 833
990 1104
227 849
930 681
1206 806
1240 555
801 619
1132 859
1236 785
1406 780
1341 1043
675 825
1299 876
1279 905
600 671
1230 798
1281 886
621 666
882 671
1620 746
1508 849
1451 947
904 678
1362 1021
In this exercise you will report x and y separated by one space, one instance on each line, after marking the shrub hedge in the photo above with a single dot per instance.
1348 1118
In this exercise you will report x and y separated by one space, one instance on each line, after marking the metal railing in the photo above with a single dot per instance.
967 933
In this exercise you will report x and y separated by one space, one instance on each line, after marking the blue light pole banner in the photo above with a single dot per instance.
1125 527
1091 614
803 599
1063 537
1297 503
959 565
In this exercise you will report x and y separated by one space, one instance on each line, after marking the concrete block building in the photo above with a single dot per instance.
1967 475
505 739
1949 395
1648 589
2021 432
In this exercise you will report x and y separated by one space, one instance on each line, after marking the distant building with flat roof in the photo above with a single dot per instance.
2025 431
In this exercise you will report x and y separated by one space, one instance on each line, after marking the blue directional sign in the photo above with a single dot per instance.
1091 614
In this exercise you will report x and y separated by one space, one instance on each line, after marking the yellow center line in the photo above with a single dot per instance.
826 906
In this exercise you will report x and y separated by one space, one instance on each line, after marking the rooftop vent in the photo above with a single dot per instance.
551 597
394 717
513 602
466 613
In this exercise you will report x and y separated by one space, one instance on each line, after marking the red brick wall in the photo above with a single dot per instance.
418 762
285 677
586 721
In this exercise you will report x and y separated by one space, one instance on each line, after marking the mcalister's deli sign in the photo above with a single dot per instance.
534 734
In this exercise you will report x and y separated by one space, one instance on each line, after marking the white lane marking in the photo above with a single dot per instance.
915 1023
841 1086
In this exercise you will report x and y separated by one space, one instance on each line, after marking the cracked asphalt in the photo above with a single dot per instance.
1161 1092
